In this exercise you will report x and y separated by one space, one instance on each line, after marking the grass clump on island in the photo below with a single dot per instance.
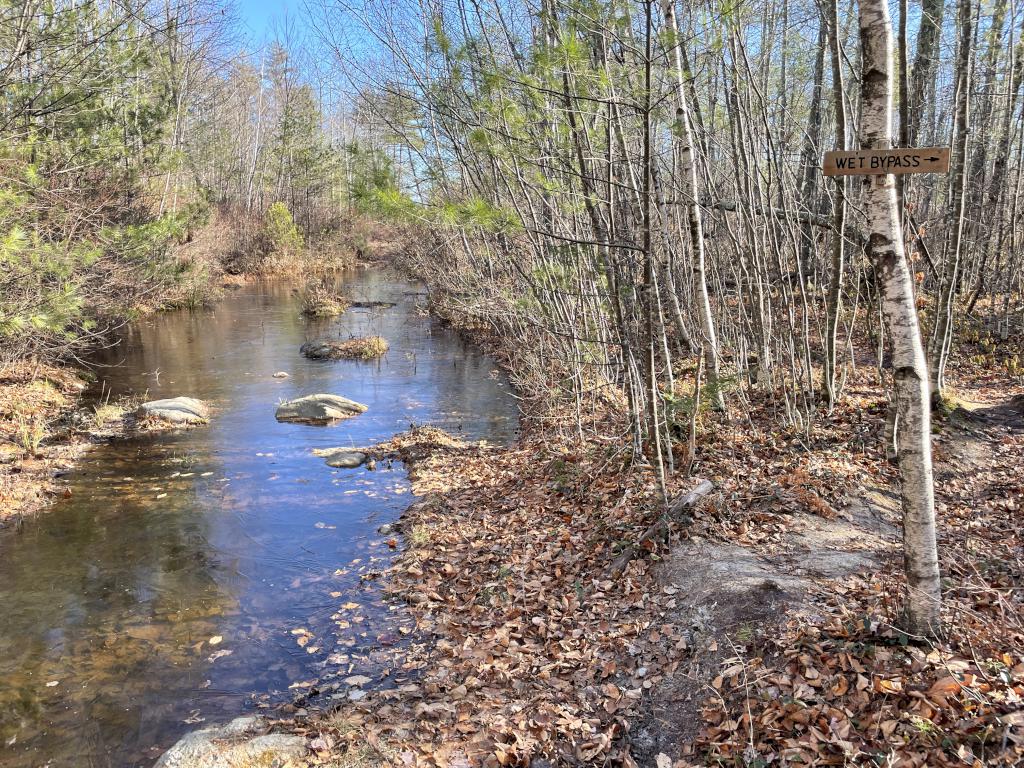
322 301
363 348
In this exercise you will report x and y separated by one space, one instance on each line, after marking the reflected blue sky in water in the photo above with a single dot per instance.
232 530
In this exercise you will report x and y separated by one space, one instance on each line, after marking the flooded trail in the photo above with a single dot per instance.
169 587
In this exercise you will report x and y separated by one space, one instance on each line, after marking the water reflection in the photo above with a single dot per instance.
167 587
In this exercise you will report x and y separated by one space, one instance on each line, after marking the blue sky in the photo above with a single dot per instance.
259 16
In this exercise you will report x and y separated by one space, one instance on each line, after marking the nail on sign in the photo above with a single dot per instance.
875 162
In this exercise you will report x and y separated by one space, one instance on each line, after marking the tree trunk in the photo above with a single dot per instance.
688 173
811 148
910 373
922 76
942 333
835 291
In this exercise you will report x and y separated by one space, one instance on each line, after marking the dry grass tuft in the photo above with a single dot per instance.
320 300
364 348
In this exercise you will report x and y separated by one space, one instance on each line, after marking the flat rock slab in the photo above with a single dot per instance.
343 458
318 409
242 742
177 410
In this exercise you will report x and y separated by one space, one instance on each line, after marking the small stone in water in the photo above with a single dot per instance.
52 683
281 375
215 640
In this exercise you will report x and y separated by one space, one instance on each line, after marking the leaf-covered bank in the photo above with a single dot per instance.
536 649
534 643
36 403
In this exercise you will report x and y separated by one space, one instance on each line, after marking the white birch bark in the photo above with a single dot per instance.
910 372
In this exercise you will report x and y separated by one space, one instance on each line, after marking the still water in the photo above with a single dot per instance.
171 587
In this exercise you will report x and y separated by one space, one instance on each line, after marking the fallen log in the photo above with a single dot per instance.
659 530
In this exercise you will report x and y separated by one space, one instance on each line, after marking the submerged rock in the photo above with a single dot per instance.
318 409
177 410
242 742
343 458
281 375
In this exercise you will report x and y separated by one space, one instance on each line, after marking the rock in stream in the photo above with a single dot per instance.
343 458
177 410
318 409
322 349
242 742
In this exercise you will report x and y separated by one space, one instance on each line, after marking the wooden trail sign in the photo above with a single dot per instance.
875 162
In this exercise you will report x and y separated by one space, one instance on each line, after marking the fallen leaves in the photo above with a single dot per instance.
535 653
838 684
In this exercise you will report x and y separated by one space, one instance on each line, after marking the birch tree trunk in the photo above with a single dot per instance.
910 373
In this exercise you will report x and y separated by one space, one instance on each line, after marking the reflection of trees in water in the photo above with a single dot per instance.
109 595
202 350
115 594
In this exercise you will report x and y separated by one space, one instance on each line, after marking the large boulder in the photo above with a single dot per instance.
177 410
318 409
241 743
343 458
